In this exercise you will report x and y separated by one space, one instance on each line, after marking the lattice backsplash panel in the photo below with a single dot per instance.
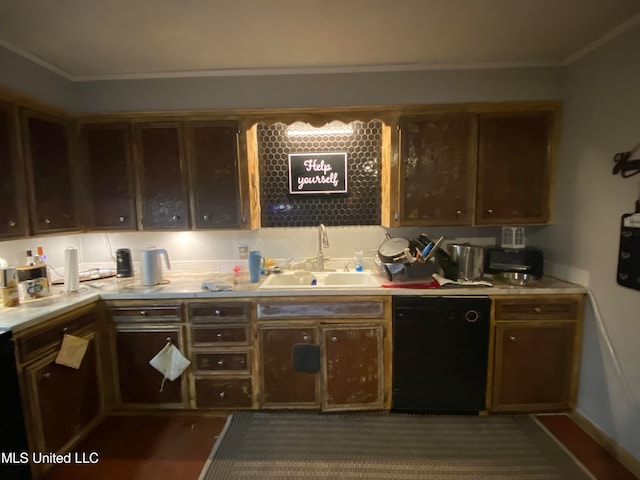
359 206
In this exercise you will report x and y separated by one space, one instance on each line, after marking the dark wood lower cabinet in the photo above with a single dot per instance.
223 392
140 383
64 401
282 386
351 372
534 366
352 367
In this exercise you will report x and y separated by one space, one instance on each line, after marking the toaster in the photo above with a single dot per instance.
524 260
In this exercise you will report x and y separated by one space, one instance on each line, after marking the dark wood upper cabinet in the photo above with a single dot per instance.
109 172
13 206
51 174
437 169
213 163
162 176
514 167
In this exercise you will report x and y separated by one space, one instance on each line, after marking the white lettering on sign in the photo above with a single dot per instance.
313 165
332 178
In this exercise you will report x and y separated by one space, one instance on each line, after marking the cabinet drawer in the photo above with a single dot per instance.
223 393
220 335
544 308
50 337
236 362
147 313
236 312
350 309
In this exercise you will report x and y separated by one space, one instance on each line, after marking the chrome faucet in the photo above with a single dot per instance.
323 241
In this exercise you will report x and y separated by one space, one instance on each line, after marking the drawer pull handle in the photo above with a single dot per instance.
46 375
537 309
217 313
512 338
65 330
220 363
221 395
219 336
121 218
334 339
143 313
306 338
490 211
12 223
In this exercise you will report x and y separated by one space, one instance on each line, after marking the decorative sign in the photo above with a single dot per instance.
317 173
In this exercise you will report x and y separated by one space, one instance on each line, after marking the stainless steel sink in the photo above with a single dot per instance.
297 280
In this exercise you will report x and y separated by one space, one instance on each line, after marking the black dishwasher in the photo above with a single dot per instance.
440 354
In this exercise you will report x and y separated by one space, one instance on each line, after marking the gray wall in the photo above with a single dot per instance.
318 90
601 117
32 80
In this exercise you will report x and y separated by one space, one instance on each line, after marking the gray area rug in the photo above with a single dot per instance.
389 446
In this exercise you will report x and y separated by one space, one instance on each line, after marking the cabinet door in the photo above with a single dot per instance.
65 400
281 384
353 377
50 173
163 175
514 166
215 184
437 169
533 366
110 177
12 200
140 383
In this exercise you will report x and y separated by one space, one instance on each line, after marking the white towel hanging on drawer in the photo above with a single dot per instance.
169 362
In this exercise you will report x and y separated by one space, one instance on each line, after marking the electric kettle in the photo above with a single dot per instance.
151 267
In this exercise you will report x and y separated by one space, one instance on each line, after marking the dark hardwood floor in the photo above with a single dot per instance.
175 447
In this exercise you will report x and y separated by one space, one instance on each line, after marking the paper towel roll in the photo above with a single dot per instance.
71 276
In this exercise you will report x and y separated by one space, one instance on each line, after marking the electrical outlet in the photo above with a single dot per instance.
243 251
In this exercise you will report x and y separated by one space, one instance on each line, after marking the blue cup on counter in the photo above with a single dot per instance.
256 265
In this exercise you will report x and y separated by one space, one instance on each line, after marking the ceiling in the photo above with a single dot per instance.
101 39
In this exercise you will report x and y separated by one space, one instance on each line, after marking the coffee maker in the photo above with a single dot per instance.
124 263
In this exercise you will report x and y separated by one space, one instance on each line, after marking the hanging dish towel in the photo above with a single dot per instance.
170 363
72 351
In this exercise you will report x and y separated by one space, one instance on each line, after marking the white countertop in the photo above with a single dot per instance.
189 285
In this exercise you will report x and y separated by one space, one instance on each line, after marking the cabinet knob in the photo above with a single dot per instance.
46 375
306 338
334 339
205 217
459 213
220 363
217 313
221 395
512 338
219 336
121 218
169 340
396 216
47 221
625 255
12 223
175 218
143 313
490 211
537 309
